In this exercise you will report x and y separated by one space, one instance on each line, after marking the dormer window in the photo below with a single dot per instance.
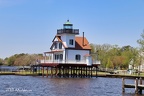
60 45
71 41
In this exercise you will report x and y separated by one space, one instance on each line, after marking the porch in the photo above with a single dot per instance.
69 61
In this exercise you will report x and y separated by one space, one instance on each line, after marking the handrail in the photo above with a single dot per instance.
68 61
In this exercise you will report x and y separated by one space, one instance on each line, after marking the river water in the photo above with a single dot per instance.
12 85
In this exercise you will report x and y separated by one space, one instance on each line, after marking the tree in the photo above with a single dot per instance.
118 57
141 41
11 60
1 61
118 61
109 64
23 59
128 53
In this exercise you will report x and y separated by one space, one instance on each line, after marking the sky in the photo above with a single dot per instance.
29 26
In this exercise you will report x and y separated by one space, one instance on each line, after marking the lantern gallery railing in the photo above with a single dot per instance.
72 31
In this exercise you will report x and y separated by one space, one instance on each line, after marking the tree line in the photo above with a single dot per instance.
111 56
114 57
21 59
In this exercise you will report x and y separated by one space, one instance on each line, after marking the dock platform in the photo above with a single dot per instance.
137 85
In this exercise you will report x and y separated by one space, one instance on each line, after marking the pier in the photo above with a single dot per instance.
65 70
137 85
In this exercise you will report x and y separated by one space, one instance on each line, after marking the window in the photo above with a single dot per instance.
61 56
56 57
55 45
78 57
67 27
60 45
71 41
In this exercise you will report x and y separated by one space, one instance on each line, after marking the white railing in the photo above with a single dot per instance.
96 62
68 61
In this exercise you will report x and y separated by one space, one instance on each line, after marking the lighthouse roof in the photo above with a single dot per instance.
68 22
78 43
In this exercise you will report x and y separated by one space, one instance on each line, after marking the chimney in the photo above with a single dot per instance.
83 40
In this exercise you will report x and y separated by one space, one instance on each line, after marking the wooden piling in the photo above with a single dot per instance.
96 71
59 72
140 81
39 69
91 70
51 72
33 69
62 71
47 72
76 71
43 71
85 71
136 86
140 90
123 83
71 71
80 72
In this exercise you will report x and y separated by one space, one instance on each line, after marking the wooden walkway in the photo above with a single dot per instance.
137 85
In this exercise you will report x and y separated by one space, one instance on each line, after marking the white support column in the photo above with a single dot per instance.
64 55
44 57
52 57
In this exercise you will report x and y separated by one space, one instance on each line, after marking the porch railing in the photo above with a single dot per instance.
68 61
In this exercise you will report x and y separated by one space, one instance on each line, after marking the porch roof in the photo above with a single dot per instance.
54 51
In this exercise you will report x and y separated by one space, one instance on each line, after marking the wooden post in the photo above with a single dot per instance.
51 72
71 71
68 71
76 71
36 69
59 71
81 71
140 90
136 86
86 71
123 83
140 81
39 69
33 69
47 71
56 71
96 71
91 71
43 71
63 72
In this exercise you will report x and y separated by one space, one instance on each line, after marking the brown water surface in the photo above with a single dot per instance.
12 85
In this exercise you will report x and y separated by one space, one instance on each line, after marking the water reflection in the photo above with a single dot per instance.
39 86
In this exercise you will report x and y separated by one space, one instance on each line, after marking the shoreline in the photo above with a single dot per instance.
98 75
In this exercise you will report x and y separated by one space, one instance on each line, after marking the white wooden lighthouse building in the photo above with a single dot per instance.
68 48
